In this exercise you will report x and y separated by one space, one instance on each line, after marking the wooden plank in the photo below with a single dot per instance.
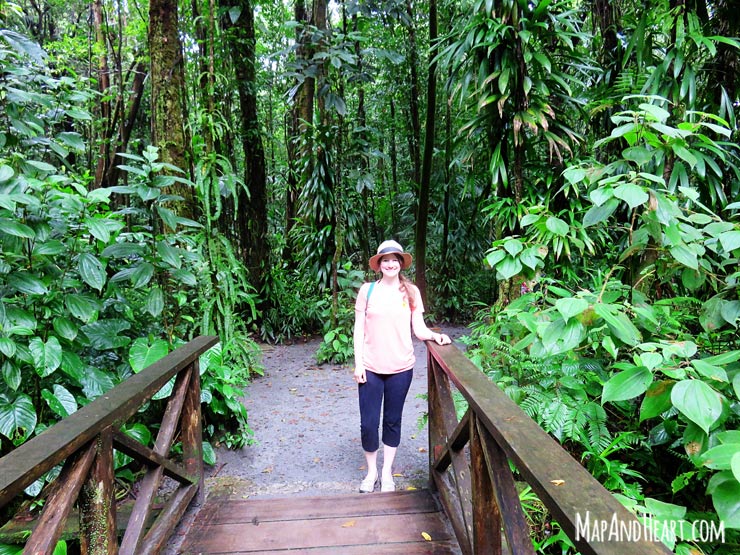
566 488
98 531
461 514
20 467
405 548
504 494
162 528
192 431
486 513
45 536
143 454
450 499
389 523
329 532
281 509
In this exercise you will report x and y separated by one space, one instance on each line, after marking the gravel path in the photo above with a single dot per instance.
306 426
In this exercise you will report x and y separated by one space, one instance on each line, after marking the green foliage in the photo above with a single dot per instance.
95 287
665 369
337 345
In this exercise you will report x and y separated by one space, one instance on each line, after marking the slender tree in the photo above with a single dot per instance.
422 215
168 96
252 202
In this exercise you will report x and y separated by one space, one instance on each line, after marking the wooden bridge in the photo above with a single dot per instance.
471 506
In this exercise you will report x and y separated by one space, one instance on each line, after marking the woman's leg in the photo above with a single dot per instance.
371 397
396 388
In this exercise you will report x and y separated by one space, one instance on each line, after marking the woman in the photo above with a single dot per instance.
385 313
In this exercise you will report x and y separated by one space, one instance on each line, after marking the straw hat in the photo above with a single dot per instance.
389 247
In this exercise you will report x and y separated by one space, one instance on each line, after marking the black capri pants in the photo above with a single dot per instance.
391 391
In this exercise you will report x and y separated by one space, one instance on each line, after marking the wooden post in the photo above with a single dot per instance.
192 431
98 534
486 514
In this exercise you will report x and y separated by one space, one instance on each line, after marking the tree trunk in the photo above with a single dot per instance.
422 215
168 97
300 113
415 137
104 115
252 205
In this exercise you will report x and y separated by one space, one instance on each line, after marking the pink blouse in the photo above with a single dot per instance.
387 346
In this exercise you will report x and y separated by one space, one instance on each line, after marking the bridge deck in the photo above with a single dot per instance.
391 523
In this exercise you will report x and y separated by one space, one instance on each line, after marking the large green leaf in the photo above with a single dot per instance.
561 337
557 226
7 347
17 416
657 399
570 307
61 401
91 271
26 283
166 390
16 229
730 240
104 334
720 457
698 402
209 454
12 375
632 194
6 173
95 382
82 307
188 278
709 370
618 323
170 254
65 328
46 356
123 250
155 301
725 491
508 268
143 354
685 255
101 228
627 384
142 275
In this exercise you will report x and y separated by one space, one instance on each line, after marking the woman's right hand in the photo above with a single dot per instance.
360 376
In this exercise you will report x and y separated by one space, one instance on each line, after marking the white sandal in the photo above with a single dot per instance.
368 484
387 485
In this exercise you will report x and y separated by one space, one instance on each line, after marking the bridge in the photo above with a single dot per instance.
471 505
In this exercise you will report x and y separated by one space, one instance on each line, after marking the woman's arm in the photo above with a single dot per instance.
421 331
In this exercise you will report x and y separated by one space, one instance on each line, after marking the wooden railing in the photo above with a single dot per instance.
469 467
85 441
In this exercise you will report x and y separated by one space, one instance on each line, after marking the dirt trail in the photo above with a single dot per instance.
306 426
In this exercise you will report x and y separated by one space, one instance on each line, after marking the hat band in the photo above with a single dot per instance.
389 250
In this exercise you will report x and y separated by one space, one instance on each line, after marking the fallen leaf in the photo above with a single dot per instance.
410 488
557 482
422 450
426 536
267 470
348 524
398 475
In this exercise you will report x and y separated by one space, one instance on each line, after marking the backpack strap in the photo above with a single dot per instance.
369 292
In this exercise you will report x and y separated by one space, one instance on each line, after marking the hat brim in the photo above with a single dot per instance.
375 260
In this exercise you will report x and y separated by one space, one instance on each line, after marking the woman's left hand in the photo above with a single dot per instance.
441 339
